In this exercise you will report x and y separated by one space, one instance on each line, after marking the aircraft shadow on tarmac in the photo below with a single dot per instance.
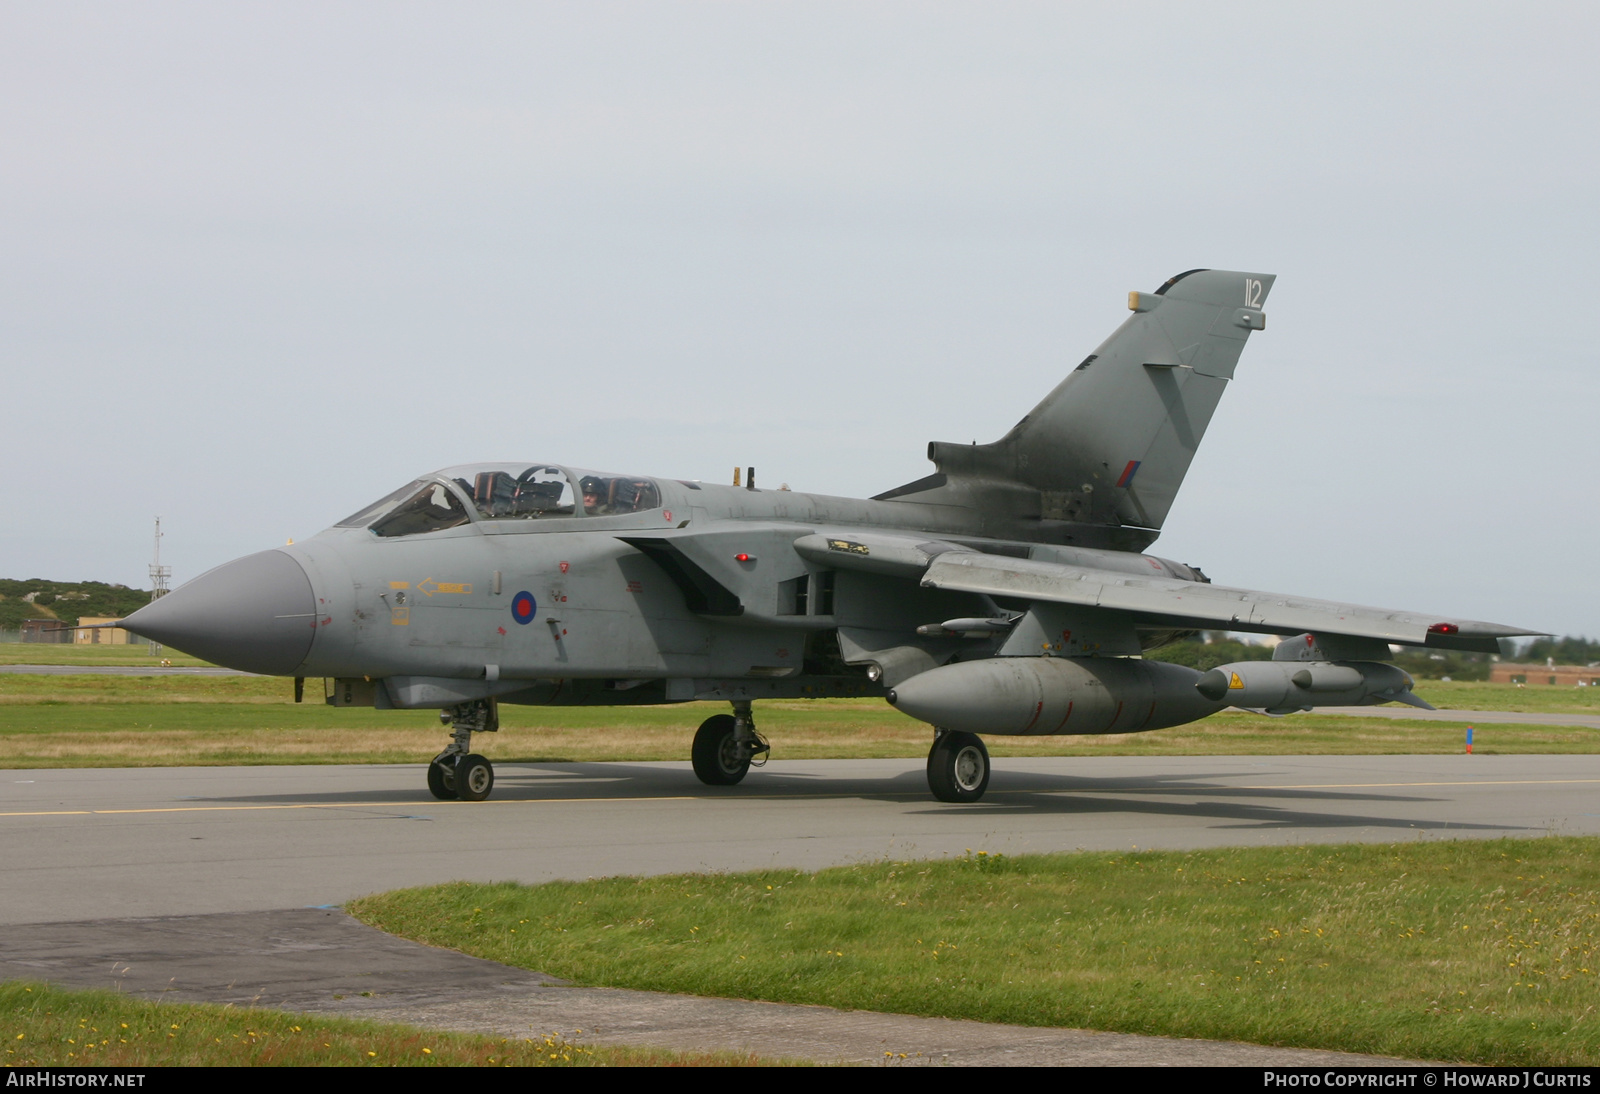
1070 795
1242 814
1010 794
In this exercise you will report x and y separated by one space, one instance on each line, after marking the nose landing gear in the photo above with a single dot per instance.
458 773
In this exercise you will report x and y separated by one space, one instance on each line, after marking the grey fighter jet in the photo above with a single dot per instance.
1009 592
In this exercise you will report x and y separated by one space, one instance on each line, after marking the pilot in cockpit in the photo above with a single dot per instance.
595 495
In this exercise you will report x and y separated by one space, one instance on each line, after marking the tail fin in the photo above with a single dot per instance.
1111 444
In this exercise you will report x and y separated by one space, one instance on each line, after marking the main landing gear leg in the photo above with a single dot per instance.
458 772
727 746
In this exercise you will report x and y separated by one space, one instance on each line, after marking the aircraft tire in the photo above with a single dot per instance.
474 778
441 782
715 758
958 767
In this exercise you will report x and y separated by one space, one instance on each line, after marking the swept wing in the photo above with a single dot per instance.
1167 601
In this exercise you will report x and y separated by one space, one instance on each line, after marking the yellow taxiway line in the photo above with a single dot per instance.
318 805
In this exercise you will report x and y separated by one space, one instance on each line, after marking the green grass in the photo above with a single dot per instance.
48 653
44 1026
1467 951
1475 695
1459 694
132 721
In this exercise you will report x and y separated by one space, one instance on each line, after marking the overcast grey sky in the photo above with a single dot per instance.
262 263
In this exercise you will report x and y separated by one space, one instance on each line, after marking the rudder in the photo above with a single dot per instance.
1112 443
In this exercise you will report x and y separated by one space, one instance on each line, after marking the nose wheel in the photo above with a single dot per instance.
442 779
726 746
467 778
458 773
474 778
958 766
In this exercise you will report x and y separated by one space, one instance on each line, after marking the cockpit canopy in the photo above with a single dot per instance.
500 491
503 491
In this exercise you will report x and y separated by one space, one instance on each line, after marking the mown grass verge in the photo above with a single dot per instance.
84 688
146 721
43 1026
182 734
50 653
1460 951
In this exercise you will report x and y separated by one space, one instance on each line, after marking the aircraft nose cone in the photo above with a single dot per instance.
257 614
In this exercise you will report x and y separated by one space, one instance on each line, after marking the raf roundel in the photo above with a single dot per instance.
523 607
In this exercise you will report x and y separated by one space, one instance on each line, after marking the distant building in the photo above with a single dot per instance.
110 636
45 630
1572 676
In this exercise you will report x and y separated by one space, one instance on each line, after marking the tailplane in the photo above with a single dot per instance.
1109 447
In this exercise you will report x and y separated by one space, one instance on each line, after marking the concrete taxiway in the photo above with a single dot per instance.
95 843
214 883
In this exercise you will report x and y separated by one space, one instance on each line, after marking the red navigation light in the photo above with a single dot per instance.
741 558
1444 628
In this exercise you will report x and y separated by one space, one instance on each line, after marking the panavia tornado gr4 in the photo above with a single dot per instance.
1006 593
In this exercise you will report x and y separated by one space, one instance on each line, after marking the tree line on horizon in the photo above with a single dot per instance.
68 601
1209 649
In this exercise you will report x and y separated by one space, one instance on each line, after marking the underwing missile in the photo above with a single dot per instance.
1282 686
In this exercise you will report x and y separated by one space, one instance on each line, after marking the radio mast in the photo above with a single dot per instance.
159 577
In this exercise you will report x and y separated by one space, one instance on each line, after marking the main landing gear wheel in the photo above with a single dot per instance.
958 767
474 778
442 780
718 759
